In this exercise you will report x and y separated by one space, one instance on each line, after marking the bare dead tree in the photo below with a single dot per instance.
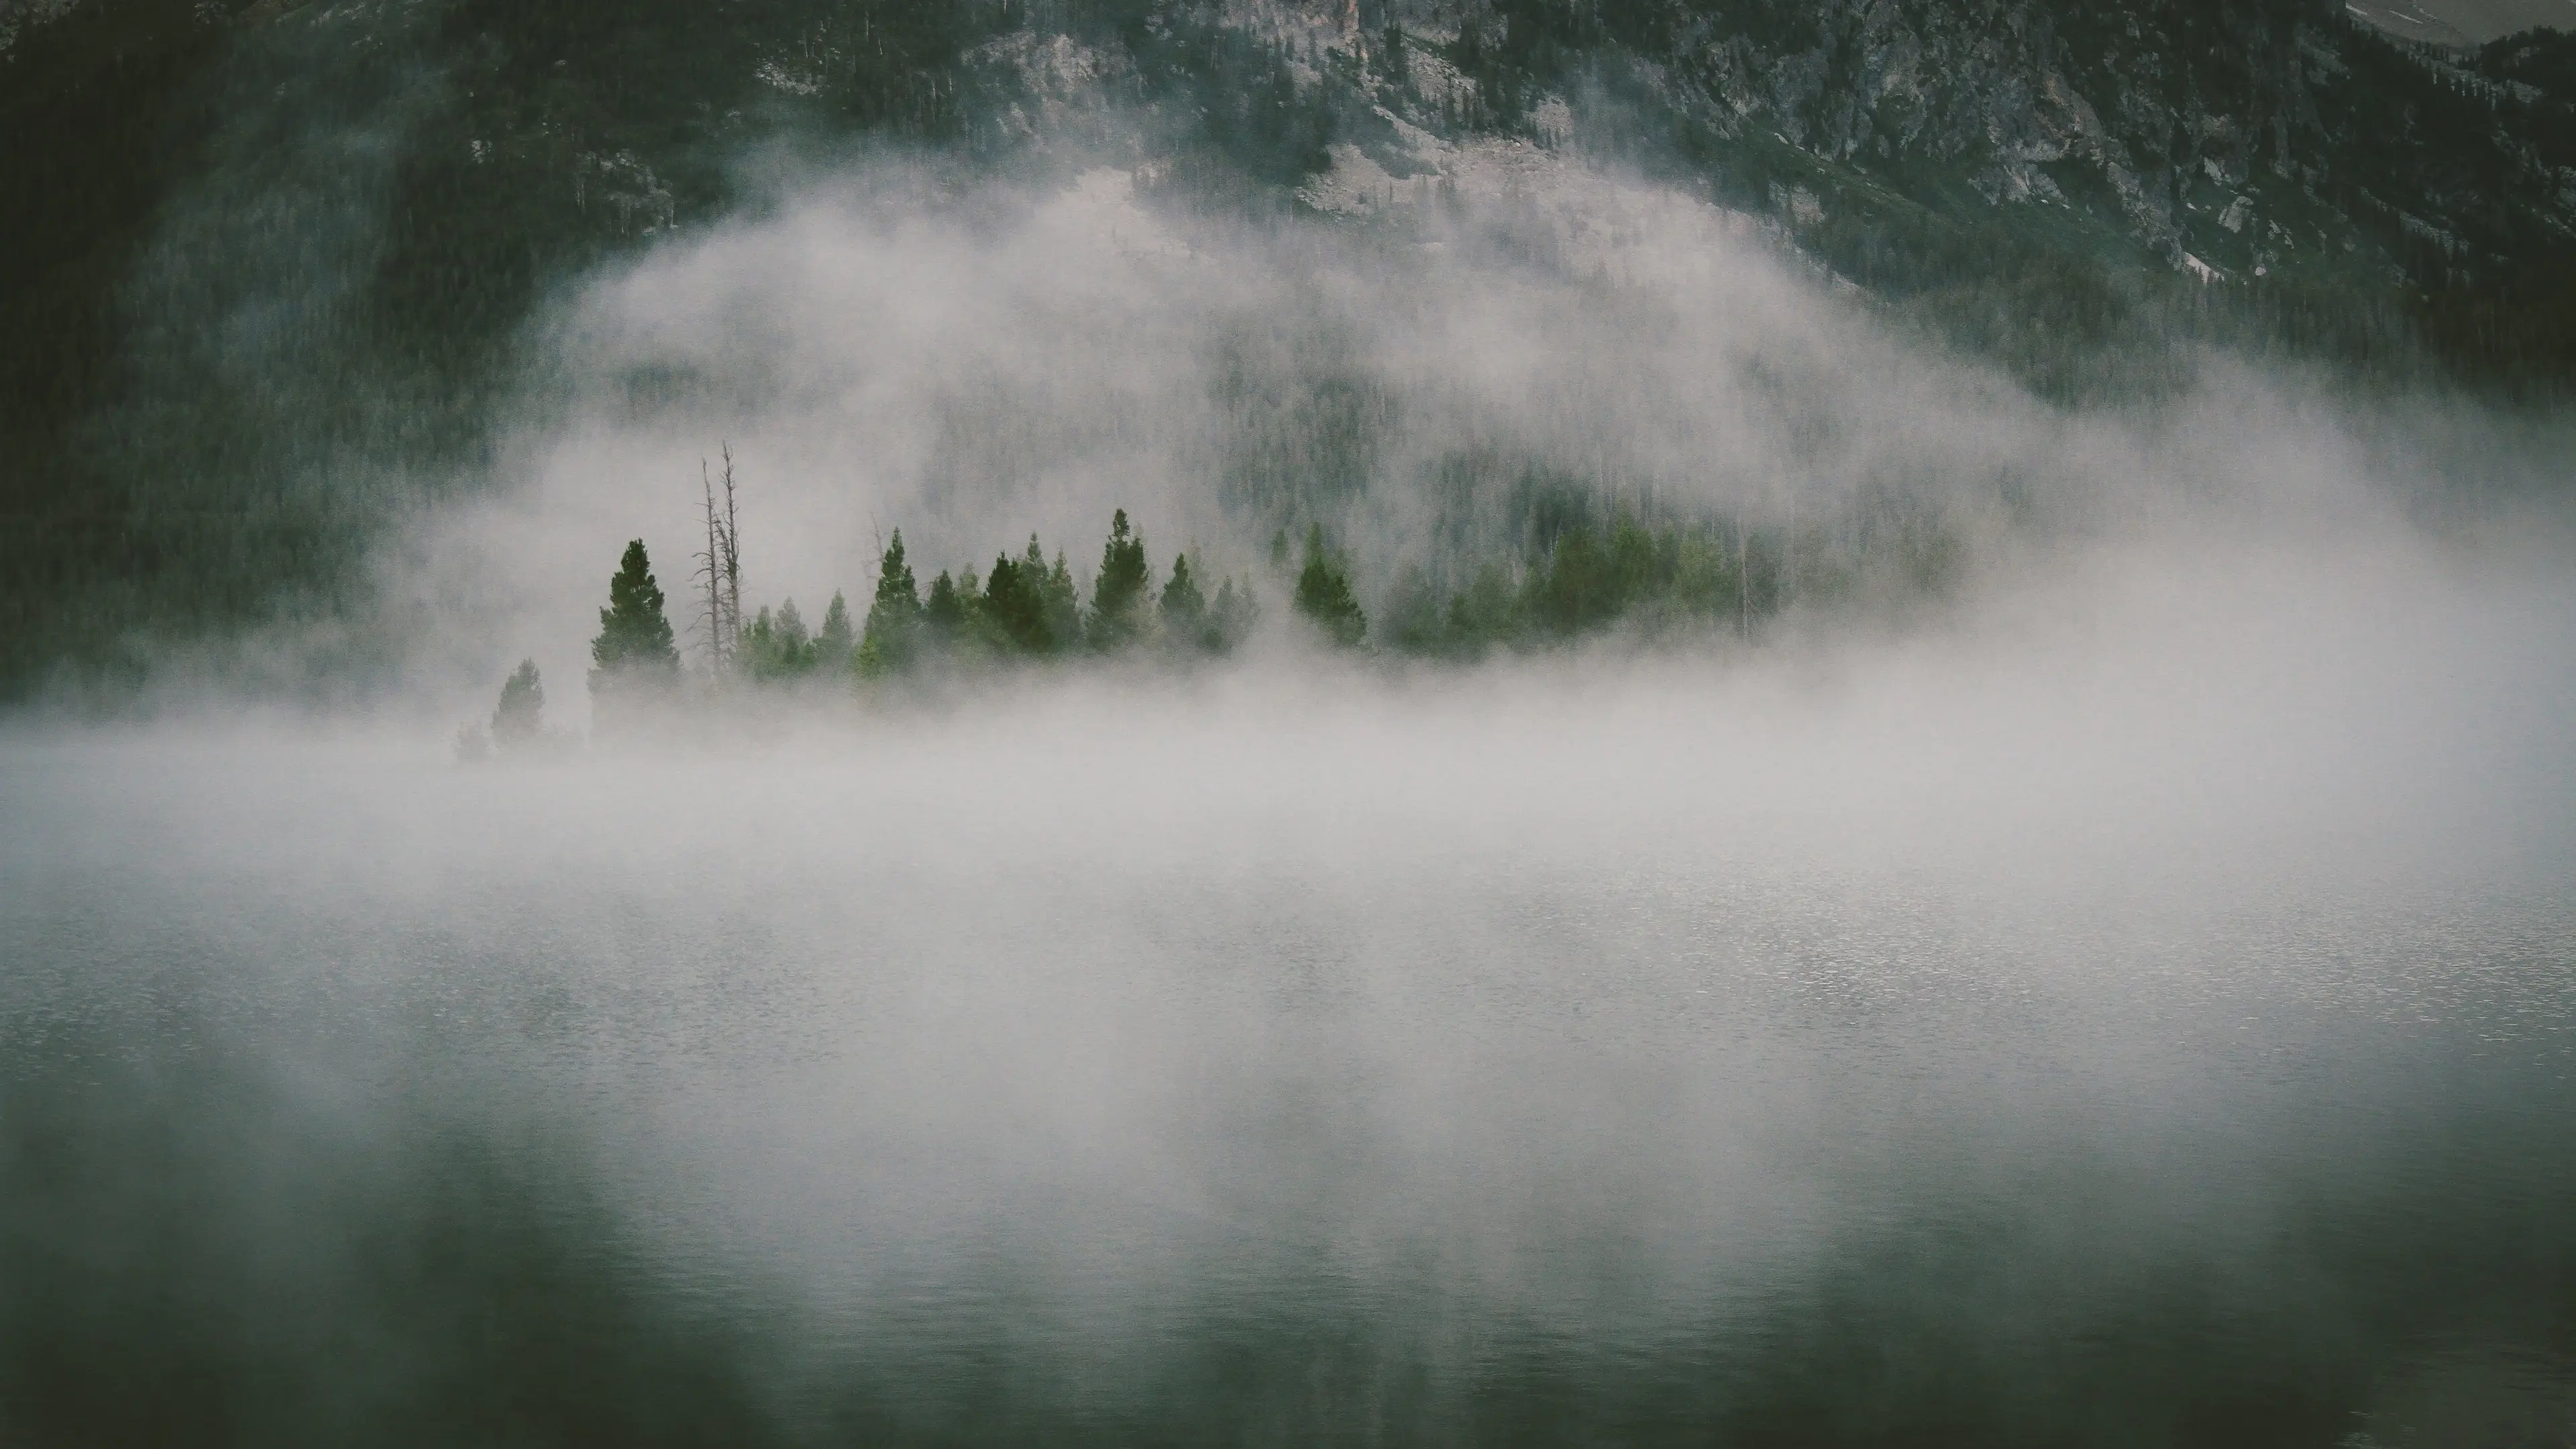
732 540
719 572
709 577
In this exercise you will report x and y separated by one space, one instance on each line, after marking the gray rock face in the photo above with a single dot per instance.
2223 136
2004 96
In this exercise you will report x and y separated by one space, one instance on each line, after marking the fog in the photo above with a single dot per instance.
2122 993
971 361
1272 1051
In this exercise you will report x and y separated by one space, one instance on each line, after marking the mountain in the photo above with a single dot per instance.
2463 22
289 252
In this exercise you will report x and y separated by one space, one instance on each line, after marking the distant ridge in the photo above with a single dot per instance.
2462 23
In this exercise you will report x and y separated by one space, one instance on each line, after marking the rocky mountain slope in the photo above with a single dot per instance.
289 247
2463 22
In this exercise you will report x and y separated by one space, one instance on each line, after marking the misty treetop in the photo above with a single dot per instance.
1576 575
1324 595
1027 607
1187 614
521 713
1120 590
1030 607
634 631
776 646
518 727
1576 571
634 656
894 617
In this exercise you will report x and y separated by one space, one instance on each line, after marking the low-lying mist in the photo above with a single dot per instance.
2115 988
1446 385
2137 1006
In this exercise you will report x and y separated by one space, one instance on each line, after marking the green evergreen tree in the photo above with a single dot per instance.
1324 595
1185 609
759 645
1641 562
634 644
1118 594
892 642
519 719
1413 621
1014 610
795 645
1230 618
834 646
1061 601
945 613
778 647
1462 639
1579 589
1489 610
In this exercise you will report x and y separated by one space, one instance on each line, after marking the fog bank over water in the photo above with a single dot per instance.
1442 388
2155 975
2119 994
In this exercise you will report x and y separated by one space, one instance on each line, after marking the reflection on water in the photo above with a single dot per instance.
907 1088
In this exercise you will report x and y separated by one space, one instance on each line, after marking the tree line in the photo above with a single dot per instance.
1029 607
1024 608
1579 574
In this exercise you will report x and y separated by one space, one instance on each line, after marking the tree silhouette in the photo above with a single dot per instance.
634 640
1324 595
776 647
944 615
1057 597
1184 607
1118 594
1230 617
1014 606
834 646
519 720
894 618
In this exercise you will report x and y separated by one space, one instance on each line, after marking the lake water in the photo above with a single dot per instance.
2016 1059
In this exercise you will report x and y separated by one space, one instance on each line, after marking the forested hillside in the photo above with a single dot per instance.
274 267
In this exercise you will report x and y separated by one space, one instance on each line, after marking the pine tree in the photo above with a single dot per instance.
1185 618
945 613
891 642
1061 601
634 643
1118 594
519 720
1013 608
776 646
1230 617
1412 621
795 645
758 644
1579 588
834 646
1324 595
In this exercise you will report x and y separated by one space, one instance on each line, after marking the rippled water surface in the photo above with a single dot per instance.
1408 1073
